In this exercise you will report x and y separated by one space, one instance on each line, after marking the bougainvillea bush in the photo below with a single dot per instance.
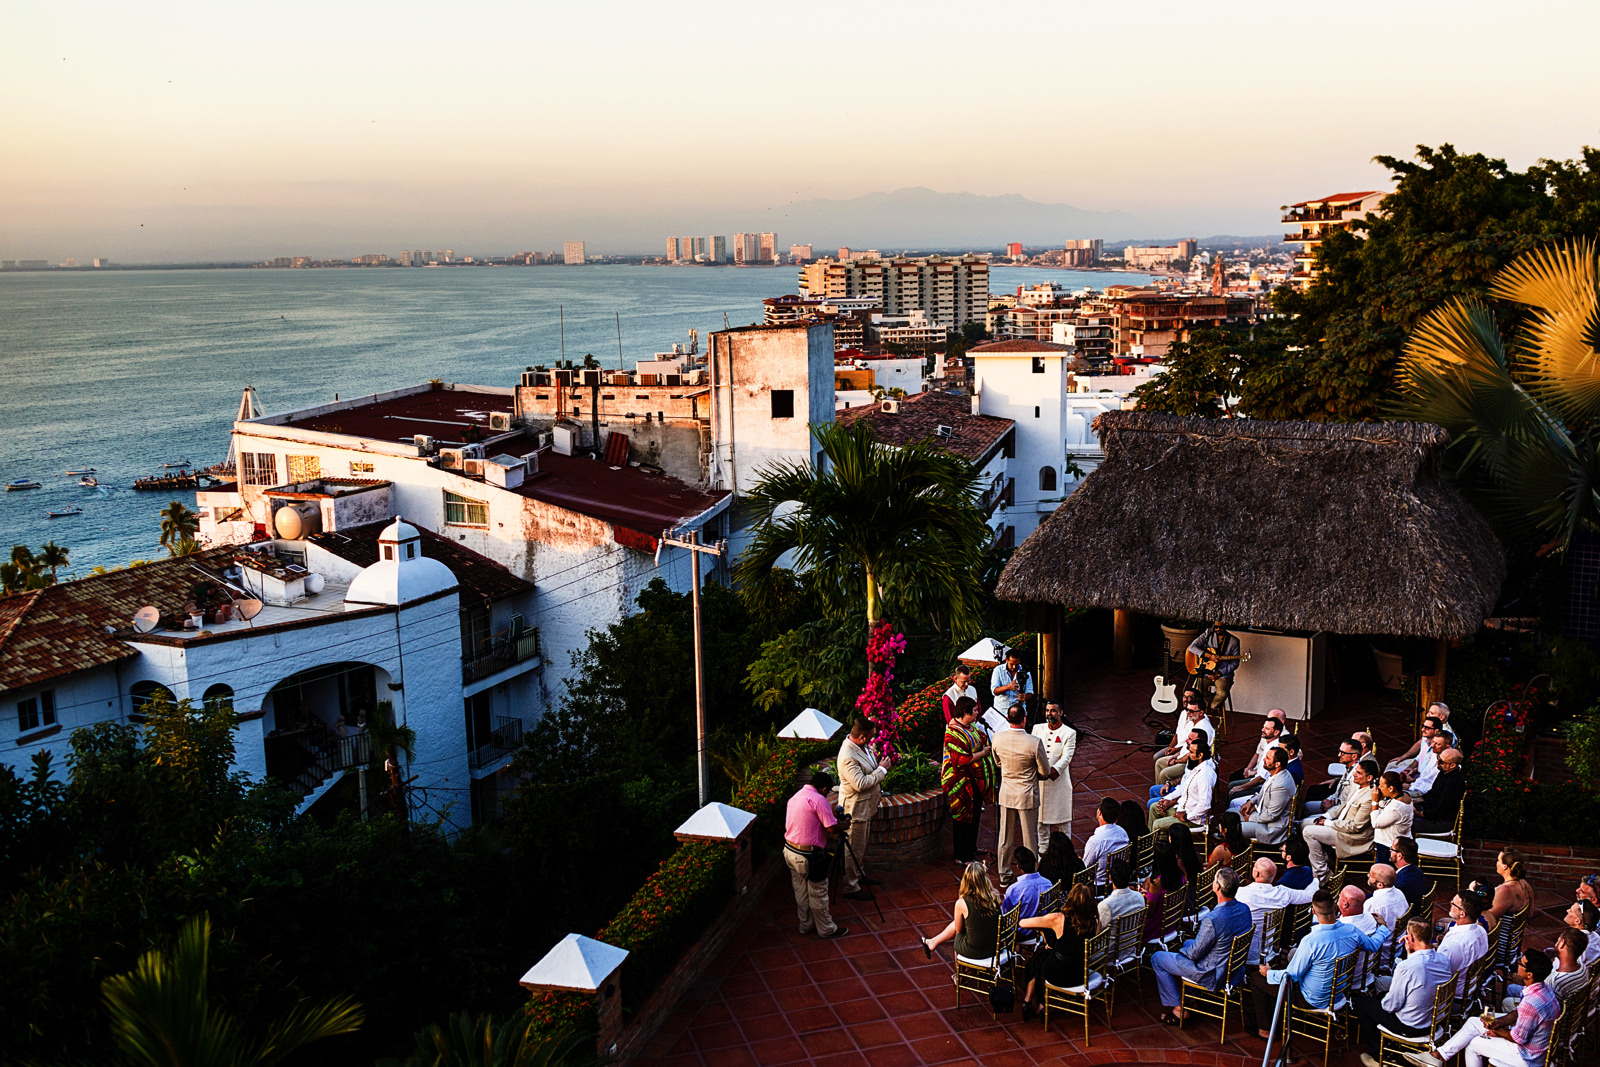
1504 804
876 701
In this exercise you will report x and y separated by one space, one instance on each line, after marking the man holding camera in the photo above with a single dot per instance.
806 825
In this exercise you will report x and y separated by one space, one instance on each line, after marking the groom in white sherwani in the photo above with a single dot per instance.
1055 794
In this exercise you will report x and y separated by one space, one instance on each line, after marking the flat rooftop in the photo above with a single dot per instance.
644 500
443 414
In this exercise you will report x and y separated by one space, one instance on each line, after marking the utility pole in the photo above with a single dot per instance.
695 549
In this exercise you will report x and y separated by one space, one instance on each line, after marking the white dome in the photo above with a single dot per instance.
402 574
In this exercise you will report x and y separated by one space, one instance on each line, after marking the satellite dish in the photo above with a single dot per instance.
146 619
247 609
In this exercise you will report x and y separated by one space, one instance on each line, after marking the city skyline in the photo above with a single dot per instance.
158 135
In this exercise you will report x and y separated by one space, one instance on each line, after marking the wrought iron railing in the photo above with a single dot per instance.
503 739
505 648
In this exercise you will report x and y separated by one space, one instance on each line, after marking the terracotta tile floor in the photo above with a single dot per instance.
871 998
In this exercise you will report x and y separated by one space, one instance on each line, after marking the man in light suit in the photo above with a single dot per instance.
860 789
1055 794
1268 814
1022 765
1347 829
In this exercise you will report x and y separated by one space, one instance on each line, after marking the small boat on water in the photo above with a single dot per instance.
89 481
74 472
63 513
180 463
21 483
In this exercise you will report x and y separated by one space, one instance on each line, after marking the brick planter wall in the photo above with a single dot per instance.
1553 867
905 831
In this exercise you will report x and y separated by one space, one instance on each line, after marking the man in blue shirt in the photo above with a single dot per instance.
1009 683
1028 885
1203 959
1327 942
1407 1007
1408 877
1296 873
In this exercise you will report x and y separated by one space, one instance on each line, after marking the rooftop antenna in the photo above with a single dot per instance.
619 338
725 325
562 311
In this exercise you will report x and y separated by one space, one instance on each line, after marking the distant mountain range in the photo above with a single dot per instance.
921 218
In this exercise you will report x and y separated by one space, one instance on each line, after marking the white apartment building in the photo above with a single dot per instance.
951 291
305 644
572 253
1029 383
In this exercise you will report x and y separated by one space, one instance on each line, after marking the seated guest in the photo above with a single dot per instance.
1352 912
1167 788
1408 877
1426 763
1407 1007
1513 893
1231 842
1311 966
1436 809
1131 818
1260 895
1569 976
1387 904
1267 815
1391 814
1518 1039
1432 723
1169 761
1252 774
1204 958
1190 805
1296 872
1166 876
1586 889
1291 744
975 919
1581 916
1060 962
1428 772
1335 791
1061 862
1027 883
1106 839
1346 829
1123 898
1464 940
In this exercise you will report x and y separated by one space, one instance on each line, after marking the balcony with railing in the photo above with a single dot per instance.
500 650
998 492
504 739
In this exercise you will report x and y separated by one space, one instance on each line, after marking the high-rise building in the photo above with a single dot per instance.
1318 218
769 248
717 249
1152 256
672 250
416 257
799 253
1083 252
952 290
746 247
572 253
1014 249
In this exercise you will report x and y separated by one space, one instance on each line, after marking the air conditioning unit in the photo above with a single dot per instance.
890 407
472 451
472 468
590 377
530 378
424 444
674 379
649 379
500 421
565 440
452 459
546 439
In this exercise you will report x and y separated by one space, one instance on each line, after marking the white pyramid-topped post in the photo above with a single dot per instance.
718 822
986 653
583 965
811 725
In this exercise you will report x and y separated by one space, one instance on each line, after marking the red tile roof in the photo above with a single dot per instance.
642 500
479 576
1337 198
1017 345
53 632
973 437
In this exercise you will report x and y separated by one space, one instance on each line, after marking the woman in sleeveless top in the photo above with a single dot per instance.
1231 841
1165 877
1391 814
975 922
1513 893
1060 961
1061 862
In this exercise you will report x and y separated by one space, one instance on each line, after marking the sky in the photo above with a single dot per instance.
157 131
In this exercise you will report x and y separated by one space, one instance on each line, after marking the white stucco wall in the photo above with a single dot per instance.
1008 387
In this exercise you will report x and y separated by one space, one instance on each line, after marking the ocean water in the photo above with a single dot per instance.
125 370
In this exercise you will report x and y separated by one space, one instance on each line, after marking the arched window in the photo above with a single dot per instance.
220 696
1047 479
143 693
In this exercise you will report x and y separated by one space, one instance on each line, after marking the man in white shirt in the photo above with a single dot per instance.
1352 903
1123 898
1407 764
1191 804
1055 794
1334 792
1465 941
960 686
1440 713
1582 916
1106 839
1428 764
1248 779
1385 900
1262 896
1170 760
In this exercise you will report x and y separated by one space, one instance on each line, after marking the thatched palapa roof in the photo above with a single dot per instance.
1347 528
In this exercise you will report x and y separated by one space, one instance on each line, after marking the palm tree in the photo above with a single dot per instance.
25 570
1524 427
478 1041
178 525
52 555
161 1014
900 525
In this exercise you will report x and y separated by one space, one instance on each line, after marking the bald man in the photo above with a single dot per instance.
1436 811
1262 896
1386 900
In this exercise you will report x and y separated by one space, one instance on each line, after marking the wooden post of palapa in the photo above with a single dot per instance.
1122 640
1433 684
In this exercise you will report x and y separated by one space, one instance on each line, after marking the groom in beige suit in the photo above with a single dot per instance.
1022 764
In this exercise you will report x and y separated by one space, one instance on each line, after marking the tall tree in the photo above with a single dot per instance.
878 526
178 527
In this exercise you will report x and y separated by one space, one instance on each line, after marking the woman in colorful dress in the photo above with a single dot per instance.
969 773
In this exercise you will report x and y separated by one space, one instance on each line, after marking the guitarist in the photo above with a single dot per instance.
1217 656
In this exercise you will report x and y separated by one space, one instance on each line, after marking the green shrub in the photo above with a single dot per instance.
912 773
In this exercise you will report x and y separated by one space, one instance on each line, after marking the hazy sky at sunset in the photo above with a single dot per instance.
157 131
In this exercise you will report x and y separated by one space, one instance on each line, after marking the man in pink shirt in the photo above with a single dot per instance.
806 824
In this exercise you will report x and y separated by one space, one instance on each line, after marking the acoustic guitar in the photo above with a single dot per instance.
1208 662
1165 699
